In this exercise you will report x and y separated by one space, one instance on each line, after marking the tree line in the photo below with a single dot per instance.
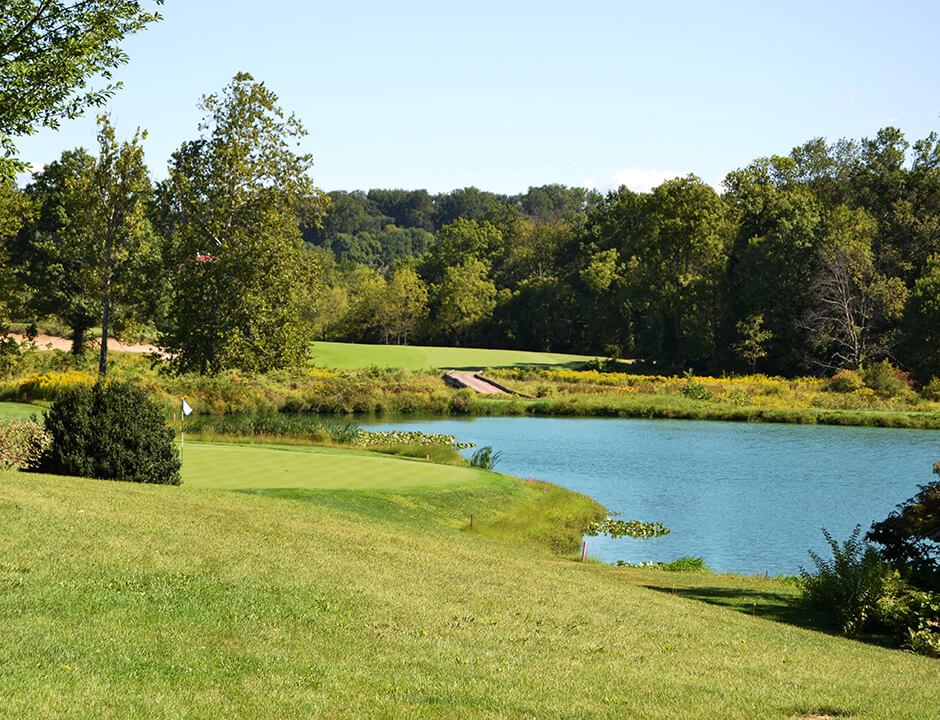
825 258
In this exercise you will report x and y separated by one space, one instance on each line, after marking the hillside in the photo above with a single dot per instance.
158 602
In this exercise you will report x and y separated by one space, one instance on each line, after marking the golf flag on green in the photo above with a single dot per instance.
186 409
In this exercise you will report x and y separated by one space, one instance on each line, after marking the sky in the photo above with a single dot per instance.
508 95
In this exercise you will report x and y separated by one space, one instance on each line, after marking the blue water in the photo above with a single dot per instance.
748 498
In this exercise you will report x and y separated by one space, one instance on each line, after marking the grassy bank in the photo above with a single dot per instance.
164 602
557 391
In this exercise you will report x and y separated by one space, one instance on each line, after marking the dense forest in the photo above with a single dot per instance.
825 258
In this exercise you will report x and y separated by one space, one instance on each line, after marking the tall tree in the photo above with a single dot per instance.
773 256
677 260
230 206
854 309
49 50
92 256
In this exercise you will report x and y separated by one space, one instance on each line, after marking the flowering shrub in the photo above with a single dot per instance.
22 442
47 386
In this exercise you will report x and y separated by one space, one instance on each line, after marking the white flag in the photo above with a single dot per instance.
186 409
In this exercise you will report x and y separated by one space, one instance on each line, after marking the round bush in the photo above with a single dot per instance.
845 381
111 431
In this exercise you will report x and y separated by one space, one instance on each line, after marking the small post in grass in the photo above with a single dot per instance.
583 550
544 487
262 437
471 521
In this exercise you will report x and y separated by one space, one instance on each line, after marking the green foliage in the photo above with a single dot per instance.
50 49
110 431
627 528
910 535
752 339
931 391
845 381
882 377
685 564
90 256
693 390
230 205
485 458
22 443
849 585
911 616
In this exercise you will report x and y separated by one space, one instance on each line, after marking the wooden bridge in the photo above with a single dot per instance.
475 381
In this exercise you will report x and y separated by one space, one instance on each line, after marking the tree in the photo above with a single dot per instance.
230 207
49 49
910 535
464 298
773 255
92 256
677 260
852 306
921 340
403 305
752 339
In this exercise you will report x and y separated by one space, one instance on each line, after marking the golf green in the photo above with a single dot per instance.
242 467
19 411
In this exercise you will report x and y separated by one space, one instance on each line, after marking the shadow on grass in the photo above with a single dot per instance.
780 607
577 365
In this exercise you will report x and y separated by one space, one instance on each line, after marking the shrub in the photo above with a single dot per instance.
882 377
111 431
845 381
462 401
485 458
931 390
686 564
908 535
22 443
911 616
850 585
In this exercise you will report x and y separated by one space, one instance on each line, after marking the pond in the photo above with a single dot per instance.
748 498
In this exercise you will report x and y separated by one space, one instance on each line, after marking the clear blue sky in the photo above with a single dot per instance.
505 95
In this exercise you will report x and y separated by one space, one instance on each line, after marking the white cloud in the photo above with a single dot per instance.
637 179
25 177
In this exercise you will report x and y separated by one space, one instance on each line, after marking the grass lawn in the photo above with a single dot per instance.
121 600
240 467
19 411
349 356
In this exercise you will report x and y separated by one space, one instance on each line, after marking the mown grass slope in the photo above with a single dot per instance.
19 411
168 602
350 356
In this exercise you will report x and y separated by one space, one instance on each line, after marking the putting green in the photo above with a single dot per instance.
242 467
19 411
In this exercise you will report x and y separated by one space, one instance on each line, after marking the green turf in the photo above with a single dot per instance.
239 467
124 601
19 411
412 357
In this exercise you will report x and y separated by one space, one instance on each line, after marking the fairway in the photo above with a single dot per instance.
348 356
242 467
